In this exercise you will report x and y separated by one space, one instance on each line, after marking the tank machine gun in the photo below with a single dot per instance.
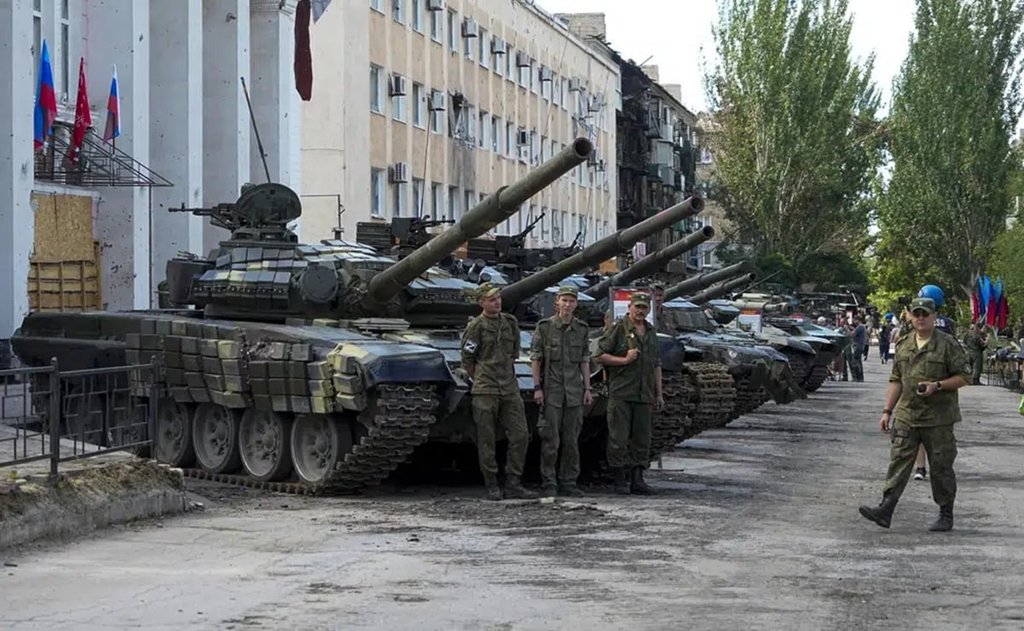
399 236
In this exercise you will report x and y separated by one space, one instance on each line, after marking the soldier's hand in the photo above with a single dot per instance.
538 397
632 354
884 422
588 398
659 404
926 388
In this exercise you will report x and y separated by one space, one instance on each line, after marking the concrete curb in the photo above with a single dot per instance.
82 501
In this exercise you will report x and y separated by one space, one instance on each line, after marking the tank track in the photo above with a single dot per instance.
799 365
815 380
710 397
747 398
404 414
670 425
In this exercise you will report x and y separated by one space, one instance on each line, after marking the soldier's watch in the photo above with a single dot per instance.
938 385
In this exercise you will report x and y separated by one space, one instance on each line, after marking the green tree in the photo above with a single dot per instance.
796 141
955 104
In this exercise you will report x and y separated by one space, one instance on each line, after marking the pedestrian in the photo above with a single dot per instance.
561 376
490 346
860 340
629 352
921 408
975 343
883 342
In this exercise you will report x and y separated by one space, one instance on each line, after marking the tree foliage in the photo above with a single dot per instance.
795 141
956 102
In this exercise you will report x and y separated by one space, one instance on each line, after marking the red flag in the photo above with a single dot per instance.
83 117
303 62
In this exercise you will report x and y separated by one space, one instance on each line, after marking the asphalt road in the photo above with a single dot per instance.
756 527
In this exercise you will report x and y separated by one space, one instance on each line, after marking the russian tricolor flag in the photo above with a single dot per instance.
46 101
113 128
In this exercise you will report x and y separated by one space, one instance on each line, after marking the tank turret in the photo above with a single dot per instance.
722 289
600 251
652 262
262 273
703 281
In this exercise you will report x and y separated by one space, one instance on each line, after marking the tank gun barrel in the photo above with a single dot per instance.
722 289
495 209
652 262
706 280
601 250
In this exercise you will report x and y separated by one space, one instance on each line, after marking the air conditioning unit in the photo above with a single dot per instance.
499 47
575 85
595 104
398 86
438 101
522 137
470 28
522 59
435 5
546 74
400 172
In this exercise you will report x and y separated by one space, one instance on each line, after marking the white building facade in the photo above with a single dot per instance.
183 115
423 107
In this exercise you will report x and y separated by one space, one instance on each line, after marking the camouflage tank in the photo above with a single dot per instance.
285 360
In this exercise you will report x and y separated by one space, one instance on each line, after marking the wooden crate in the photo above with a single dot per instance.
63 286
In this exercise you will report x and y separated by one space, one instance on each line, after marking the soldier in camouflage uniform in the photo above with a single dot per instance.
561 377
490 346
975 344
629 351
929 367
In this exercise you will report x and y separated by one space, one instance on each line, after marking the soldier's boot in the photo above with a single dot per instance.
621 480
549 490
493 490
637 486
945 521
514 488
881 514
570 490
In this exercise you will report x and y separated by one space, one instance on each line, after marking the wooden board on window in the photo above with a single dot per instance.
63 286
63 228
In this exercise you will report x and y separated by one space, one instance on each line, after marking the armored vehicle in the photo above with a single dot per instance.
292 362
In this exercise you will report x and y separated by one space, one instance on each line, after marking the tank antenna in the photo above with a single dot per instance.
259 143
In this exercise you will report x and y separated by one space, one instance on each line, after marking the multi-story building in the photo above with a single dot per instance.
713 213
424 107
97 233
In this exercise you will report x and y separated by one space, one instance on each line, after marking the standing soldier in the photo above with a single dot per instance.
629 351
490 346
561 377
921 407
975 344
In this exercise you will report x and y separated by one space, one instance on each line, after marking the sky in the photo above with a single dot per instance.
677 36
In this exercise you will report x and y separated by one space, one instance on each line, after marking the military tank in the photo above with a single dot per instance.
284 363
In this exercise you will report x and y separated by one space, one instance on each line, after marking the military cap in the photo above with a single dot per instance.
487 290
640 298
568 290
922 304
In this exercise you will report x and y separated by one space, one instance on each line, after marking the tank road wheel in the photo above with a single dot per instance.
174 434
264 439
319 443
215 436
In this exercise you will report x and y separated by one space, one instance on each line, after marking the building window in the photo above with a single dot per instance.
398 200
453 203
416 19
484 54
398 97
468 45
470 201
496 134
483 128
435 25
377 192
65 50
398 10
524 76
510 57
377 5
498 63
376 89
436 200
417 197
437 116
556 90
453 31
419 105
544 149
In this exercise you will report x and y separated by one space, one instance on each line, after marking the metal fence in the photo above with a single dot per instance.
46 413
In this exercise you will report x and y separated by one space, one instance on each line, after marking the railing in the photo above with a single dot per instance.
46 413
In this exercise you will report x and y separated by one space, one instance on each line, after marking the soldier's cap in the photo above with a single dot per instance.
487 290
640 298
568 290
922 304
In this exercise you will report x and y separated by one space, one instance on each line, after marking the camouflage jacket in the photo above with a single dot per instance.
490 347
561 347
942 357
633 382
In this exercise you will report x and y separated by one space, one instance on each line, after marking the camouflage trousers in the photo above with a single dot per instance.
940 445
629 434
856 360
559 428
491 411
977 366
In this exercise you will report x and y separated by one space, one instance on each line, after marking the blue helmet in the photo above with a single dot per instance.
934 292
